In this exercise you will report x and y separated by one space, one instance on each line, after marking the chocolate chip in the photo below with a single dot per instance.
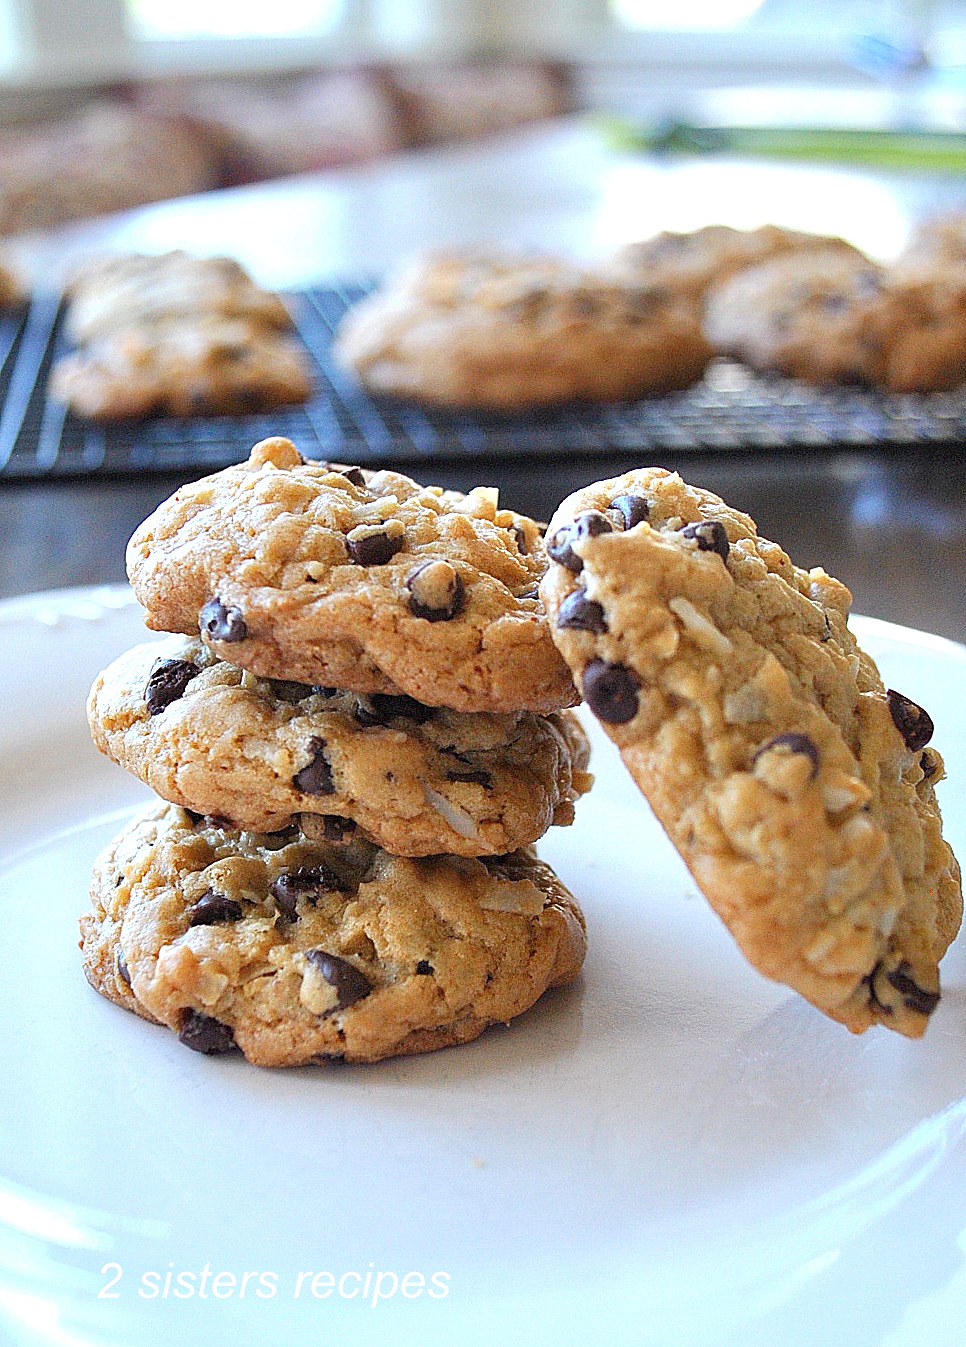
436 591
912 722
478 778
375 547
354 475
520 538
350 985
379 708
929 763
222 624
711 537
424 968
914 997
167 681
560 547
214 907
204 1034
306 883
633 508
582 613
123 972
531 592
316 777
795 743
611 691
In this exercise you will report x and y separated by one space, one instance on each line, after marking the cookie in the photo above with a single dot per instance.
418 780
198 367
689 264
508 334
925 326
120 292
799 792
936 240
361 581
817 317
299 951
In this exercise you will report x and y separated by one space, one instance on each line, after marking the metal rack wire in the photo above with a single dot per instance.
731 410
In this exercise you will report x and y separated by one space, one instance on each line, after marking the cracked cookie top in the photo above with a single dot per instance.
358 580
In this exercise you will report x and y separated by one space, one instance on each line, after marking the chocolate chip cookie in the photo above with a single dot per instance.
819 317
202 366
299 951
508 334
416 779
798 790
689 264
362 581
131 289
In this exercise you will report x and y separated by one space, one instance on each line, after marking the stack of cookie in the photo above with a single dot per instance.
176 335
358 734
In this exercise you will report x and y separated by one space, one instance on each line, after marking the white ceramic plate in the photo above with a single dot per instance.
672 1151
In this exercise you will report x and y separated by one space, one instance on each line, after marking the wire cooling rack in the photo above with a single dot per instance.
730 410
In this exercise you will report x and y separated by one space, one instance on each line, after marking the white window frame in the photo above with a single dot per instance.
82 43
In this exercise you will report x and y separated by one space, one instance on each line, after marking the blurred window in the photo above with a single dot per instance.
709 15
233 18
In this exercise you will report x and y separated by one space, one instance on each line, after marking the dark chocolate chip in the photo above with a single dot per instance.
582 613
307 883
350 985
610 691
379 708
914 997
929 764
204 1034
435 594
166 683
123 972
560 547
425 968
531 592
477 778
795 743
633 508
711 537
355 475
222 624
195 817
316 777
375 549
520 538
912 722
214 907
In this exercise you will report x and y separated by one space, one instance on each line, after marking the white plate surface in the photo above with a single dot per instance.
672 1151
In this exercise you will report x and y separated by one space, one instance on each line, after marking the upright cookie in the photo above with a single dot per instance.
194 367
689 264
799 792
362 581
418 780
297 951
817 317
505 335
